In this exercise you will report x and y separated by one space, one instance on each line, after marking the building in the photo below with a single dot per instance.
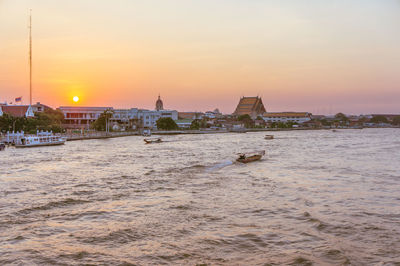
184 123
213 114
140 118
17 110
159 104
39 108
81 117
251 106
284 117
190 115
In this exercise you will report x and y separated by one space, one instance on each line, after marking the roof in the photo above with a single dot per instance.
189 115
250 105
287 114
15 110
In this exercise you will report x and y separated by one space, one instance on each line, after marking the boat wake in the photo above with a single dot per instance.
219 166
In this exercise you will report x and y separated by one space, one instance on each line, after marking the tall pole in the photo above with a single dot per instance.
30 57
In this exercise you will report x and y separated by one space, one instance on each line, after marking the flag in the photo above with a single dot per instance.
18 99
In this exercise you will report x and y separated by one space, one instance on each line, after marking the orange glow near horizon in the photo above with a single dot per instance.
295 54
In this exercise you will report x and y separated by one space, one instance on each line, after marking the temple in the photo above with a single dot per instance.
251 106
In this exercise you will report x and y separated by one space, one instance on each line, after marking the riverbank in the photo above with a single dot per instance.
103 135
99 135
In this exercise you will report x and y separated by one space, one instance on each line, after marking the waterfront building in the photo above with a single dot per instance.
140 118
17 110
190 115
284 117
252 106
184 123
81 117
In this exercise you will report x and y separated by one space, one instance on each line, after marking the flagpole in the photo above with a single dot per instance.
30 57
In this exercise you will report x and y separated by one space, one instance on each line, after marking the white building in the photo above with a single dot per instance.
284 117
213 114
81 117
134 117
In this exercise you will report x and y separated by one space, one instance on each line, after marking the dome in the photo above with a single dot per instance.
159 104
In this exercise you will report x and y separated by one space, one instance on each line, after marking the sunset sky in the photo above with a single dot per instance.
299 55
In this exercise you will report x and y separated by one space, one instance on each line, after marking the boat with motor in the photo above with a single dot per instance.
40 140
269 137
247 158
153 140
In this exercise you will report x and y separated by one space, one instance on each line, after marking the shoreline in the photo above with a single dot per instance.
103 135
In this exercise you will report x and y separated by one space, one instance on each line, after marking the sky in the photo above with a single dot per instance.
318 56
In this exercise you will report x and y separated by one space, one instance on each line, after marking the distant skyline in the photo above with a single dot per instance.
298 55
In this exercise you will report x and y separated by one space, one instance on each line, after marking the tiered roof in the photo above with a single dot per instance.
252 106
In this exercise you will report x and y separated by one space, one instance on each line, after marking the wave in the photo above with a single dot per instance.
53 204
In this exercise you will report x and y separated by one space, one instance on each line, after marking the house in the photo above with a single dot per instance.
251 106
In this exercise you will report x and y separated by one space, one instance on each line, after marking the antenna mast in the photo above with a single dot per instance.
30 57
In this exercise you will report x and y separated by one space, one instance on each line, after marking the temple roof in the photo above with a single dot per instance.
250 106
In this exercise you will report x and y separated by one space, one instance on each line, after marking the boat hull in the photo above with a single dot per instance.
249 159
40 144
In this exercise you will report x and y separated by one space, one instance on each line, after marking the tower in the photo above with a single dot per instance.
159 104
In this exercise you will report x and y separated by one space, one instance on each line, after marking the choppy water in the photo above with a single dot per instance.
318 197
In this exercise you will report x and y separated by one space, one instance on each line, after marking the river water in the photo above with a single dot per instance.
317 197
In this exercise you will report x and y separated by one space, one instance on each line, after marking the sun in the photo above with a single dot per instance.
75 99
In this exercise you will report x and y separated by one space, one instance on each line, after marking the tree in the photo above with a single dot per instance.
49 120
379 119
246 119
166 123
101 122
195 124
396 120
325 122
341 117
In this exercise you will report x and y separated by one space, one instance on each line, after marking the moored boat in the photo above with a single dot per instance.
269 137
154 140
243 158
38 141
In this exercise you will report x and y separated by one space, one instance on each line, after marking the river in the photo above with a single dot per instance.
316 197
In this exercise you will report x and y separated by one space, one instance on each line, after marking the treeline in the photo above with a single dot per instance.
49 120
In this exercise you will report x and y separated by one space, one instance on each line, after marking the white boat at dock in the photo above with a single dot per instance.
42 138
37 141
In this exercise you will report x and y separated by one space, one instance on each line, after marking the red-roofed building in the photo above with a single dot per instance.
17 110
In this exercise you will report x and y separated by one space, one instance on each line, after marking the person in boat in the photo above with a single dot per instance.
242 156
